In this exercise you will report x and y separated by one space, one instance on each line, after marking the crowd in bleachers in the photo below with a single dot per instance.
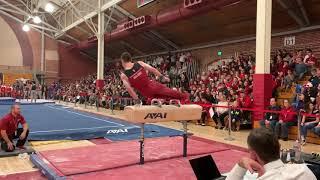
297 72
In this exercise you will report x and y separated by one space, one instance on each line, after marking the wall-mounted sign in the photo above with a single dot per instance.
141 3
289 41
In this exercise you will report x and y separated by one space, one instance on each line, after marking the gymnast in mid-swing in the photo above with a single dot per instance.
135 77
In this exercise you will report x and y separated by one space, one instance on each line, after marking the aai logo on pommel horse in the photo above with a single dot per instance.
117 131
156 116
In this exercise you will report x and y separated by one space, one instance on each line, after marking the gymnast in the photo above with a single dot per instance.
135 76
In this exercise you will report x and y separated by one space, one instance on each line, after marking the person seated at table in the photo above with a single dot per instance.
287 119
235 117
9 130
264 150
270 119
309 122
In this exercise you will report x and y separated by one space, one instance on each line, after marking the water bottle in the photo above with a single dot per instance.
297 151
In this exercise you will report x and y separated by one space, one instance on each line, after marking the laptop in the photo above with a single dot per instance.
206 169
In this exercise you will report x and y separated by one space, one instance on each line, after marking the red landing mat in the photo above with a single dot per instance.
101 141
34 175
122 154
178 168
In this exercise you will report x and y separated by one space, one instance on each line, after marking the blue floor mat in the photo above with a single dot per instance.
56 122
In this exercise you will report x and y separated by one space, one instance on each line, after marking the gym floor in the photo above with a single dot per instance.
13 165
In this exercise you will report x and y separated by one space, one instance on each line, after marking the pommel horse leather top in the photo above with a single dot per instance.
156 112
162 113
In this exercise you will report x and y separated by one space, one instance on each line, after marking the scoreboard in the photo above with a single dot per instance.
141 3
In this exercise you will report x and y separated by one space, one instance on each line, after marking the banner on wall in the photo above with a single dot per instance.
10 78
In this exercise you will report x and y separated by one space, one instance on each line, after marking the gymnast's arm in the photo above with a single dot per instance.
150 69
129 88
154 71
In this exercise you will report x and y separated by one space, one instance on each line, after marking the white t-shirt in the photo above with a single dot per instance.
276 170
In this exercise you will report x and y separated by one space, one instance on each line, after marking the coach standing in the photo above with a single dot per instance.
9 130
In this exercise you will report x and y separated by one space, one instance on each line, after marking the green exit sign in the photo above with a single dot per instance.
219 53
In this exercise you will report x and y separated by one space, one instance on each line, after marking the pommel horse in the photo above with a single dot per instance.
156 112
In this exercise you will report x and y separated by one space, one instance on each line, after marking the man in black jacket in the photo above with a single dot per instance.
270 119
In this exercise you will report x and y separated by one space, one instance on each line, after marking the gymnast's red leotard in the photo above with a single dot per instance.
138 79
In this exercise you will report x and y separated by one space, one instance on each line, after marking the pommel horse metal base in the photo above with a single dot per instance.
162 113
185 141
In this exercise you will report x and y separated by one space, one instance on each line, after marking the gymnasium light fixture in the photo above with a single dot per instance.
49 7
26 27
36 19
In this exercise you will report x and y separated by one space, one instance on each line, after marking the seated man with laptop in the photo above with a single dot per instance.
264 149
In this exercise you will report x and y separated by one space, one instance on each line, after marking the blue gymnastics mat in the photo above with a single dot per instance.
7 100
56 122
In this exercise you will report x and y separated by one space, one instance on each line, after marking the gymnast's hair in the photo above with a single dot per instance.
14 105
126 57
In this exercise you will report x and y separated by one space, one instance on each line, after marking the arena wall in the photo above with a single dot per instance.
10 50
21 53
73 64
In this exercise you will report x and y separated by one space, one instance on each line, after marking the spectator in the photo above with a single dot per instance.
245 102
270 119
264 149
299 103
316 129
309 122
221 112
235 117
288 80
287 119
202 121
315 77
310 59
300 68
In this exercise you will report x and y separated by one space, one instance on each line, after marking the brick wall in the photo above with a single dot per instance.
303 40
52 60
74 65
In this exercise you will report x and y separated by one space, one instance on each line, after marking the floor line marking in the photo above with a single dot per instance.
72 129
85 115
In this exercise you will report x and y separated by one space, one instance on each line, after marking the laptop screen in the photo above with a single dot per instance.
205 168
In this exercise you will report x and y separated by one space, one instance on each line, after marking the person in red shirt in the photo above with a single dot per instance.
287 119
9 91
310 59
3 91
9 130
135 77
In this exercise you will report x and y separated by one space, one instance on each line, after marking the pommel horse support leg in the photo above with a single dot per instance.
156 112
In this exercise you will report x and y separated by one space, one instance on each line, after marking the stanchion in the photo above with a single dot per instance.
75 102
299 127
97 103
85 102
229 138
112 106
142 144
185 138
